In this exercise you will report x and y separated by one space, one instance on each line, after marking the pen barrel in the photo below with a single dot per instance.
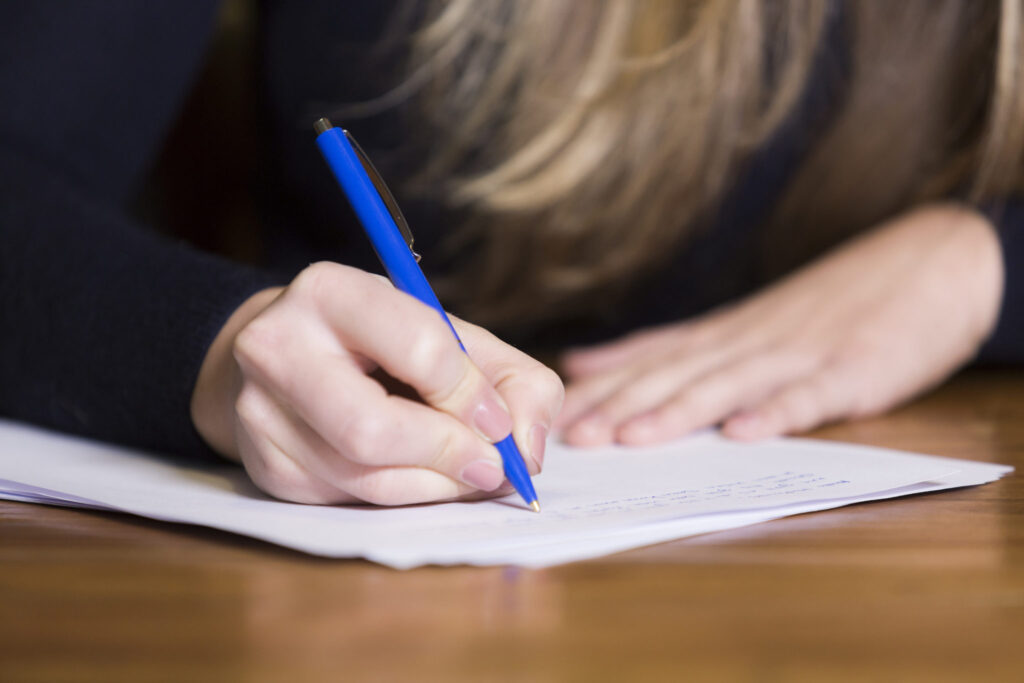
384 235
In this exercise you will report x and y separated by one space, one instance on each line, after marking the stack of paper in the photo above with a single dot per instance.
594 501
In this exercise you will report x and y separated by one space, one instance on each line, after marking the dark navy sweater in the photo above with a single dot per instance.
104 322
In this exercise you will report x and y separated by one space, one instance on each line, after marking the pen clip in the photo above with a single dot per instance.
384 192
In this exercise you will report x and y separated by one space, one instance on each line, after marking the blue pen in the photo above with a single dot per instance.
392 240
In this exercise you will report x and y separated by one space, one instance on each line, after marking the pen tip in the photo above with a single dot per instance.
535 506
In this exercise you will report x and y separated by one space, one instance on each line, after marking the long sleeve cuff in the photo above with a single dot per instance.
1006 344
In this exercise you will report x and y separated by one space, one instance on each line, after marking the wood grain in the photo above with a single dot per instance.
930 587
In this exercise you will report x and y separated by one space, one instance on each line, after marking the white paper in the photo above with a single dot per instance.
594 501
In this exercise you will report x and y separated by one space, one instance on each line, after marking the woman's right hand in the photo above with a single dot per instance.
287 389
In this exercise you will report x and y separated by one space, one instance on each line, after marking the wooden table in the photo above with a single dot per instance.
930 587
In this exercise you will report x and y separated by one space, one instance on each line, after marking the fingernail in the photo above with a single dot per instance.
492 421
483 474
538 442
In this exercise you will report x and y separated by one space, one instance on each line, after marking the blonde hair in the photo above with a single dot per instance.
588 140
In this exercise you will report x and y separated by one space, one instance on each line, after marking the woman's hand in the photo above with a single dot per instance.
855 333
290 387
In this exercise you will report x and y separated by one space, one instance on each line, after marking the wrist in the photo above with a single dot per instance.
219 379
982 260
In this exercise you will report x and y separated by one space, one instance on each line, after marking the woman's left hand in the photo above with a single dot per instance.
862 329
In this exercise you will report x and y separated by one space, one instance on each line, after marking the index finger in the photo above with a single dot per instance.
409 340
533 391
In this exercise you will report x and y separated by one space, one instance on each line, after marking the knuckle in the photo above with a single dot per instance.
350 287
318 280
274 475
261 351
275 478
539 382
439 366
364 437
427 350
382 487
549 385
446 455
257 342
251 408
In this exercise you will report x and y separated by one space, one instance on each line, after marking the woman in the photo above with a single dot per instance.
596 168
